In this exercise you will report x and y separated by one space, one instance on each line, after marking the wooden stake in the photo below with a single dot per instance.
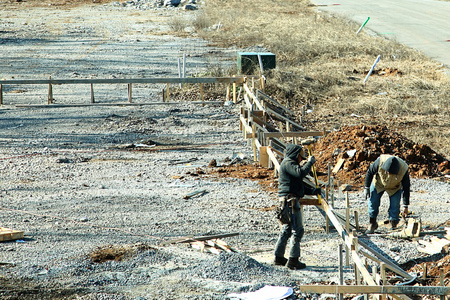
92 93
441 277
254 143
129 93
167 93
234 93
228 93
424 275
347 213
341 269
327 220
383 276
355 213
201 93
50 92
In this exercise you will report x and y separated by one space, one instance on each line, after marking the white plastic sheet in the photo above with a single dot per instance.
266 293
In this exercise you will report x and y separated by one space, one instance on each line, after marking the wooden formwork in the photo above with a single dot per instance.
268 124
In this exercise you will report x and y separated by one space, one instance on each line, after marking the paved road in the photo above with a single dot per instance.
420 24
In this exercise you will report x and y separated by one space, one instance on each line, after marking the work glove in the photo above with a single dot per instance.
405 211
311 159
366 193
317 191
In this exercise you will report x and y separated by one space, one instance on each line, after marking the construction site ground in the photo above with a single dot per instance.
101 191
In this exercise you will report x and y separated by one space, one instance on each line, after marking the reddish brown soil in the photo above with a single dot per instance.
369 142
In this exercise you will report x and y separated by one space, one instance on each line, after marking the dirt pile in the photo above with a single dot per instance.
360 145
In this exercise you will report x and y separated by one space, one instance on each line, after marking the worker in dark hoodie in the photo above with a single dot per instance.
388 174
290 189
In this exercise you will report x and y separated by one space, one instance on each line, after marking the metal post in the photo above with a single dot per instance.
1 94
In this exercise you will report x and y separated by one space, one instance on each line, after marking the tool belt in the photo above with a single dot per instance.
286 208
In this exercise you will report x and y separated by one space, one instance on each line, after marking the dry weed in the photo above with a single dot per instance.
323 63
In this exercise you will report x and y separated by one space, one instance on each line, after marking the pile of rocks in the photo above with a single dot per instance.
361 145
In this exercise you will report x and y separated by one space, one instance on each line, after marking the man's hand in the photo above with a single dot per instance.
317 191
405 211
366 193
312 159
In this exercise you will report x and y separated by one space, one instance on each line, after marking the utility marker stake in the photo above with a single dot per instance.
371 69
362 26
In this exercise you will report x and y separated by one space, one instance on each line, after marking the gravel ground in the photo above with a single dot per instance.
70 181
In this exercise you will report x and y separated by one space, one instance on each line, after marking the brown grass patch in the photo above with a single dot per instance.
322 63
117 252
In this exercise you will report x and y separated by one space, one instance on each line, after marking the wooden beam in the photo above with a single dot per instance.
293 134
267 98
112 104
127 80
349 243
381 289
191 239
389 264
273 158
283 118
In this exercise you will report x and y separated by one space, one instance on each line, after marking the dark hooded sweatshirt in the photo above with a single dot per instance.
290 180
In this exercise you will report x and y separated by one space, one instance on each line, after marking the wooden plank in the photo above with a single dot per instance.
273 158
7 234
52 105
309 201
283 118
348 241
127 80
293 134
383 289
253 98
263 157
389 264
267 98
192 194
338 165
191 239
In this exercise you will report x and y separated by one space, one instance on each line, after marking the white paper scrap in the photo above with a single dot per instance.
266 293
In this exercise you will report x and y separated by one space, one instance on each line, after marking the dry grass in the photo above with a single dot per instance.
322 62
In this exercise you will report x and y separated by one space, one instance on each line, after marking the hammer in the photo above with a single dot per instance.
308 143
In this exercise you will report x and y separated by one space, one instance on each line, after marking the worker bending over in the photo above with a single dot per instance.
389 174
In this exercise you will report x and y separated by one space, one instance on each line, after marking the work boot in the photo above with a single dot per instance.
294 264
280 260
373 226
393 224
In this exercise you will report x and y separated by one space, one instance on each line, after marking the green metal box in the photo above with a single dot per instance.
248 62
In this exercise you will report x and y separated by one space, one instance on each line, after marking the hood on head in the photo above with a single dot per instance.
292 151
391 165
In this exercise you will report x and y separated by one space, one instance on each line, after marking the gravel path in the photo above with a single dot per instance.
73 184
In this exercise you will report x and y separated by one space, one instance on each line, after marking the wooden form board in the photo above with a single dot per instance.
127 80
381 289
338 165
7 234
